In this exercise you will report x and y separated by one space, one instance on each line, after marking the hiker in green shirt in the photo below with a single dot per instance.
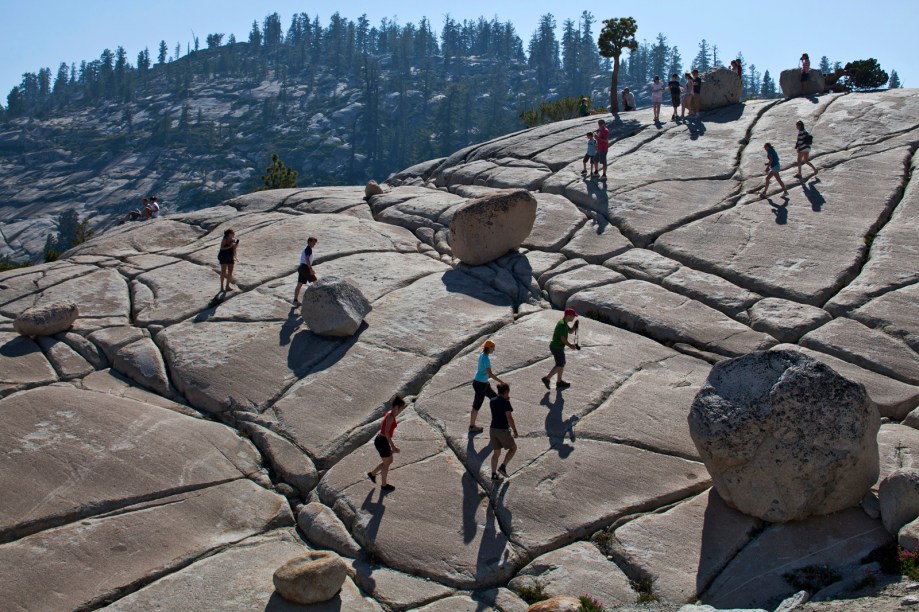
557 347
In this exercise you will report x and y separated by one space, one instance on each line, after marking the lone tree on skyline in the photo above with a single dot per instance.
617 34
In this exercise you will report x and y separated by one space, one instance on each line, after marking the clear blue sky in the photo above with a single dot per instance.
771 34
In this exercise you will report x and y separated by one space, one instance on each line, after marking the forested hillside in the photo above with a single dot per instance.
341 102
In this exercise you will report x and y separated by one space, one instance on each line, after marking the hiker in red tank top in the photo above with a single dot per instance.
384 444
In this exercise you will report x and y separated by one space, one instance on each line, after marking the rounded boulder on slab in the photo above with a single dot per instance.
373 188
486 228
792 85
311 578
46 319
333 306
785 436
720 87
899 498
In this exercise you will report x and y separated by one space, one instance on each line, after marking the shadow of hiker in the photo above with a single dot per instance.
556 428
211 309
375 510
780 211
813 196
599 198
472 498
290 326
696 127
493 548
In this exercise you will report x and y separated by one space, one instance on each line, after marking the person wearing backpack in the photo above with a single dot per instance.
803 147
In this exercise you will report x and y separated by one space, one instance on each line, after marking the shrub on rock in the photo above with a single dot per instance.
486 228
311 578
46 319
334 307
784 436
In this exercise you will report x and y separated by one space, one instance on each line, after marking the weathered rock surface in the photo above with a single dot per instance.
23 363
66 361
324 529
792 85
684 549
397 590
46 320
142 362
784 320
899 497
784 436
290 464
312 577
334 307
720 87
486 228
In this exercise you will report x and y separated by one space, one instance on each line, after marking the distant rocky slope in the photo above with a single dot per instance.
157 440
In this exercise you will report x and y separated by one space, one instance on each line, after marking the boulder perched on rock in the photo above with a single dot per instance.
899 497
792 85
373 188
486 228
720 87
784 436
46 319
334 307
311 578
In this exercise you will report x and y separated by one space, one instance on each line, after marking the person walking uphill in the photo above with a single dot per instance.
772 169
305 273
803 147
227 259
502 422
384 444
480 384
557 347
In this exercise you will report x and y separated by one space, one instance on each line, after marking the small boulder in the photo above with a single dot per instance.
899 497
313 577
46 319
908 536
556 604
323 528
720 87
486 228
372 189
334 307
142 362
784 436
792 85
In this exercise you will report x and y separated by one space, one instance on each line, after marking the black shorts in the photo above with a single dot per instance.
304 275
559 354
225 256
675 100
601 157
590 158
482 390
805 76
382 445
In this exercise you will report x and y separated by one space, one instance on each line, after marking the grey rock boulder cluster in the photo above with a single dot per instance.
184 449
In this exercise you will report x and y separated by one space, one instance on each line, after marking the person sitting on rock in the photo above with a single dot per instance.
384 444
502 422
137 213
480 385
154 208
584 107
557 348
805 62
305 272
628 100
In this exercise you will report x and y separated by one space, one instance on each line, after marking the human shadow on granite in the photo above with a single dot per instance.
556 427
813 196
780 211
374 510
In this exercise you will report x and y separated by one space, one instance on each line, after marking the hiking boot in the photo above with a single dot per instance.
546 381
372 478
295 302
494 476
503 471
562 384
387 487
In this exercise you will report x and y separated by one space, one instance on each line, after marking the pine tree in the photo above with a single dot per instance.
544 50
617 34
894 82
768 90
716 61
161 55
660 55
279 175
675 63
825 65
702 61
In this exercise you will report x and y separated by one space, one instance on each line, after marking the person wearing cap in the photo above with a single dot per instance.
480 384
557 347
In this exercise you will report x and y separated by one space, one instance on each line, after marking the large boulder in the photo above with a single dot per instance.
784 436
720 87
790 82
314 577
46 319
334 307
486 228
899 497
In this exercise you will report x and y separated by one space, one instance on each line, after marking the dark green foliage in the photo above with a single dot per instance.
8 263
278 175
812 578
557 110
589 604
644 587
616 35
533 592
71 231
894 82
865 74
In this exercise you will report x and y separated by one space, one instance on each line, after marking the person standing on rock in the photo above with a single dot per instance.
772 169
805 62
591 155
674 86
557 348
687 95
480 384
602 135
502 423
657 96
305 272
227 258
803 147
384 444
696 92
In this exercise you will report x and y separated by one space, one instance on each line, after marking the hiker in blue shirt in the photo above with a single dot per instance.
772 169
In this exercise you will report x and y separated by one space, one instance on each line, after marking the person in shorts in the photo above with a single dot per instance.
674 86
657 96
226 257
696 92
687 96
384 444
502 423
590 155
772 169
305 273
480 385
602 136
803 147
557 347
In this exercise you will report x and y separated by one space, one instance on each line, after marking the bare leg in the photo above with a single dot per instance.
229 276
510 455
495 456
297 292
223 275
384 470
